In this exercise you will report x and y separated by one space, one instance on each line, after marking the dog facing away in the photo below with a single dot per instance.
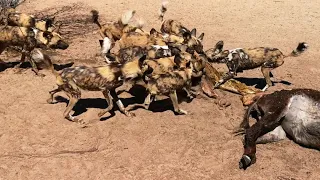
240 59
104 78
171 27
294 113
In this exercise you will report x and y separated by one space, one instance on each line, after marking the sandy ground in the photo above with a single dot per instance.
36 142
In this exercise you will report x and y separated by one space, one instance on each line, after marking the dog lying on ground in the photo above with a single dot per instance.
241 59
105 78
293 112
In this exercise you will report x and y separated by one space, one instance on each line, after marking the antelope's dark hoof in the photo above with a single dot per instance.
245 162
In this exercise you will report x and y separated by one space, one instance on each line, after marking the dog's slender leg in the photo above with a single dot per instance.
72 102
189 94
108 97
145 105
266 73
174 99
50 99
230 75
120 105
23 58
34 67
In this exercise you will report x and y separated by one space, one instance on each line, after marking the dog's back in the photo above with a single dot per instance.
163 84
92 78
17 36
256 57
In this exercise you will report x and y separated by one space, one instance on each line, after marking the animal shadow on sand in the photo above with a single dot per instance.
27 65
138 95
259 82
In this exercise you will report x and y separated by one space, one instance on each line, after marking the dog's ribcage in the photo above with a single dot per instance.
243 59
92 79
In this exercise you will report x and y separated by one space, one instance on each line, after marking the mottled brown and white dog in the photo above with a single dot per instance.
167 81
28 39
19 36
294 113
104 78
10 17
115 30
240 59
173 27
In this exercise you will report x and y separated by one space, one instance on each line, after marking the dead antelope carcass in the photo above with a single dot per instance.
293 112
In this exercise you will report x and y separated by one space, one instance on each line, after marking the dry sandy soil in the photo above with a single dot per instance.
36 142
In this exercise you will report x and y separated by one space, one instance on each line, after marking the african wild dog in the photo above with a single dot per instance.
126 53
241 59
48 39
9 17
28 39
115 30
22 37
173 27
167 84
138 39
104 78
295 113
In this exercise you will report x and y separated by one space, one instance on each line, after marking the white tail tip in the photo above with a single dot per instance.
126 17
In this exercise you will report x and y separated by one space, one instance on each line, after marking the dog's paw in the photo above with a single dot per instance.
181 112
50 101
101 113
40 75
130 114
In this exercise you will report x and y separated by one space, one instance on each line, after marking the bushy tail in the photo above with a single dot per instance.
44 60
139 23
127 16
95 17
302 47
163 9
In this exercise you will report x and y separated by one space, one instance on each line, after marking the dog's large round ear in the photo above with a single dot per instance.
153 31
188 64
219 47
142 57
194 32
58 26
147 69
47 35
186 36
201 37
101 42
177 59
49 22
